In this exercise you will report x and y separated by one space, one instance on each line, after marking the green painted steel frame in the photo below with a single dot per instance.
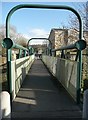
31 50
40 39
45 7
8 43
49 49
79 45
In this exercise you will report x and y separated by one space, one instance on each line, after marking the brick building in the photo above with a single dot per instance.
58 38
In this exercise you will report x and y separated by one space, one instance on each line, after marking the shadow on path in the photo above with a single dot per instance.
41 97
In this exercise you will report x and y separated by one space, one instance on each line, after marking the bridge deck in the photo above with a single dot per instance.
41 97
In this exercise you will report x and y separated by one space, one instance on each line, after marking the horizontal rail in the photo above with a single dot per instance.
79 45
8 43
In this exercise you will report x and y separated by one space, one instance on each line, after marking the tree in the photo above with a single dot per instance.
13 32
20 39
74 24
16 37
83 11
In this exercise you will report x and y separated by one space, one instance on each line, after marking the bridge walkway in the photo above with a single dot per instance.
41 96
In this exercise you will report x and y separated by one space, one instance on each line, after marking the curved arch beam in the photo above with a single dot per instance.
43 7
39 39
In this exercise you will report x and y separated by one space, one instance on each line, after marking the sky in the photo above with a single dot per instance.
37 22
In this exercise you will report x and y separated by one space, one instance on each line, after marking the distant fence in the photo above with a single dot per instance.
19 69
65 71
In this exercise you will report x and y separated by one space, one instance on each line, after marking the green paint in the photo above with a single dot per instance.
8 43
20 53
79 45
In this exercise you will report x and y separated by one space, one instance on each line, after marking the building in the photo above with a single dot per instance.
58 38
63 37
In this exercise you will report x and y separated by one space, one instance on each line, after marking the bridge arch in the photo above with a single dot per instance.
40 39
43 7
50 43
39 6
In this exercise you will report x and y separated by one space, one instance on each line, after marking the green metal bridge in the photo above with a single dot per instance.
49 87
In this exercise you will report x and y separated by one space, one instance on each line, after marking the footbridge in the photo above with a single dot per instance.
47 87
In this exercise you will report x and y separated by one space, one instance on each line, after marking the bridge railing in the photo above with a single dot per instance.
16 68
45 7
19 69
66 71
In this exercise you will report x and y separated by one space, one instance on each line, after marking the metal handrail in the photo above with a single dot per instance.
8 43
79 45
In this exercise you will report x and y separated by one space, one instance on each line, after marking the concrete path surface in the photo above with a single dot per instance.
42 97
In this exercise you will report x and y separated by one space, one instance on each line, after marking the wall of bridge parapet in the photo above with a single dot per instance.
19 69
63 37
65 71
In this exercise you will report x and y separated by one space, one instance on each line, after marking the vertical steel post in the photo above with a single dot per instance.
8 58
80 63
24 53
9 70
20 53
